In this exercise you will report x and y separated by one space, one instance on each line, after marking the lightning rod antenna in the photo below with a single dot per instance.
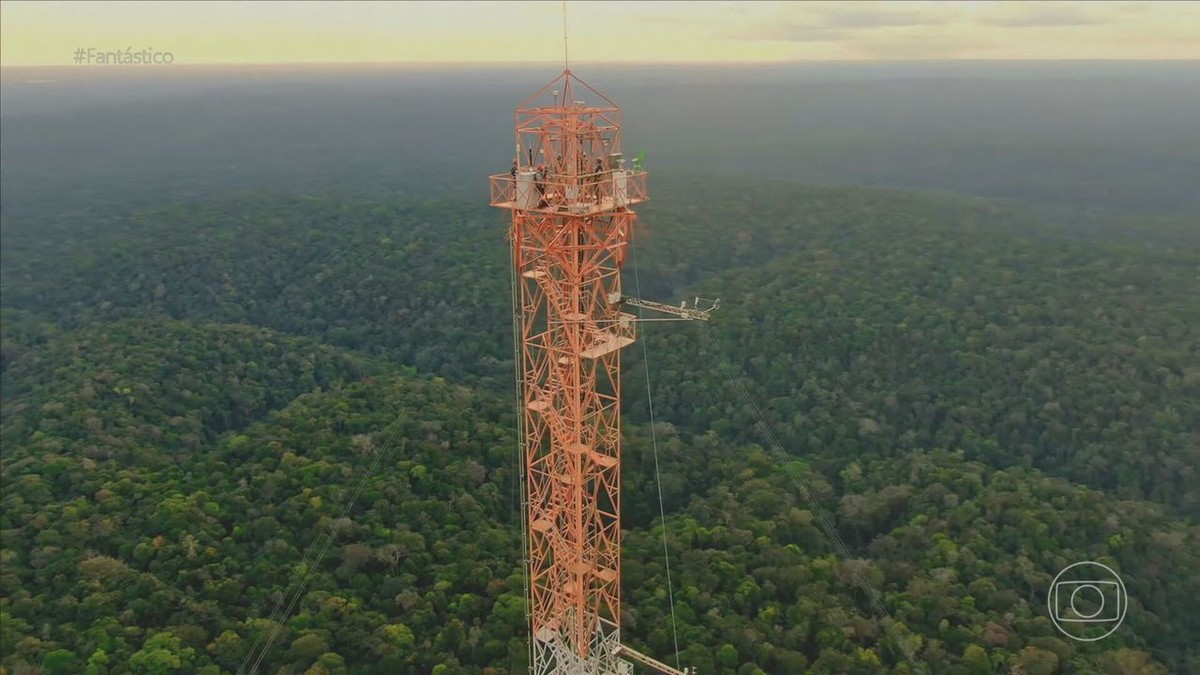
566 52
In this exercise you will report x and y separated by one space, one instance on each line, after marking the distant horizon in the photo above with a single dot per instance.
277 33
558 66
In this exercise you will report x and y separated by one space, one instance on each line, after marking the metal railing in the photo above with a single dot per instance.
576 194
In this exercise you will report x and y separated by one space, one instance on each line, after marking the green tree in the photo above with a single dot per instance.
727 656
308 647
162 653
60 662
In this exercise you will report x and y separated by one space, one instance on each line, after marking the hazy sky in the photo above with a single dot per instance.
48 33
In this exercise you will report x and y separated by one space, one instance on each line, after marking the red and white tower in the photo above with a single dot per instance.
571 198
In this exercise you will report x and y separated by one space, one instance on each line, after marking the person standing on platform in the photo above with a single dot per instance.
540 182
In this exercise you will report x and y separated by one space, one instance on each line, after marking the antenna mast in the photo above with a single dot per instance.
566 51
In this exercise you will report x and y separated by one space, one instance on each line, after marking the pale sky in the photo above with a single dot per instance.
48 33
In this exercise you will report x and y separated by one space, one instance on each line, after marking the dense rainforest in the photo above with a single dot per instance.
973 395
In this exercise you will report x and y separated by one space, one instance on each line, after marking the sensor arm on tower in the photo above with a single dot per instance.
699 311
654 664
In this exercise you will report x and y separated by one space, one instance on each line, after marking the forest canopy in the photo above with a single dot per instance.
976 398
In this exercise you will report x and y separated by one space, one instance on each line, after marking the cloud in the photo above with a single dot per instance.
866 16
919 47
1043 15
1130 7
811 23
794 33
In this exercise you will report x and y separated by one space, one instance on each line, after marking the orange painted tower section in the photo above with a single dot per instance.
571 195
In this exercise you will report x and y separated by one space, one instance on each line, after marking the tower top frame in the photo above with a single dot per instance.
561 92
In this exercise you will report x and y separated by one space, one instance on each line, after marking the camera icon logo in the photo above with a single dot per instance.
1087 601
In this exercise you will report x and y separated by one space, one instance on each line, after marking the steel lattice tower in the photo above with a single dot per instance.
570 197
